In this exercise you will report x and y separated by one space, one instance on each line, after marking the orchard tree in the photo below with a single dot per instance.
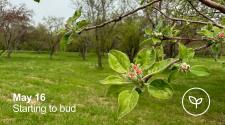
142 74
133 78
54 26
130 35
83 42
36 39
14 23
96 11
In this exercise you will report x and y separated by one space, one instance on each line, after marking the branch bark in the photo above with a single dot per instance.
185 20
214 5
202 47
201 13
180 38
118 18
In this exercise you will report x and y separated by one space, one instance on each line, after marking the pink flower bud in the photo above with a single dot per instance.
221 35
135 67
138 71
131 75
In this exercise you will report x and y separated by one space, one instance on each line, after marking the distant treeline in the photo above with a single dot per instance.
18 33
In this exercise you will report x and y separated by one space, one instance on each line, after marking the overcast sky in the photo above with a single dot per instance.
58 8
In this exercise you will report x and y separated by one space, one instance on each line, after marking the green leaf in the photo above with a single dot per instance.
118 61
199 70
127 100
159 52
146 58
223 21
37 1
167 30
160 26
216 49
150 41
75 16
81 24
185 53
114 80
160 89
148 31
64 40
206 33
142 2
160 66
114 90
146 42
61 32
216 31
172 75
156 40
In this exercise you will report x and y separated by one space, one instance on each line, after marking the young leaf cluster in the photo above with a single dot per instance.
72 27
161 30
215 37
137 76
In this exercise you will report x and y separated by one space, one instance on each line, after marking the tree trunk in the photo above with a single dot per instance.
83 52
99 57
170 50
83 49
52 51
3 51
53 48
98 49
9 53
221 51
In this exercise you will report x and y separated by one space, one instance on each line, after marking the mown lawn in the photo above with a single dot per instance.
68 80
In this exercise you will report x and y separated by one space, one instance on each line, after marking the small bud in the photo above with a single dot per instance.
134 72
221 35
131 75
139 72
184 67
135 67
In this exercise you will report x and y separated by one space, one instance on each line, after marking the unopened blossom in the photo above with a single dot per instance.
135 66
135 73
139 72
184 67
131 75
221 35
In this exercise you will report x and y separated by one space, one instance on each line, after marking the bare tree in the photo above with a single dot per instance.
97 11
53 24
14 22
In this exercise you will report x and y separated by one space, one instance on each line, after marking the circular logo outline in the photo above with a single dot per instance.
195 88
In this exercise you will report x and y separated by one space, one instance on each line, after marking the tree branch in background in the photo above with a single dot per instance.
214 5
188 39
180 38
118 18
201 13
202 47
184 20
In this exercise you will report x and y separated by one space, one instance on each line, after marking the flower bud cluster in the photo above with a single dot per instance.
221 35
184 67
135 73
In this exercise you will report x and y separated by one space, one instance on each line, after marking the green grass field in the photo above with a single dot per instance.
68 80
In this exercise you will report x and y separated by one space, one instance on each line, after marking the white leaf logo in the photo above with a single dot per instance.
195 101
